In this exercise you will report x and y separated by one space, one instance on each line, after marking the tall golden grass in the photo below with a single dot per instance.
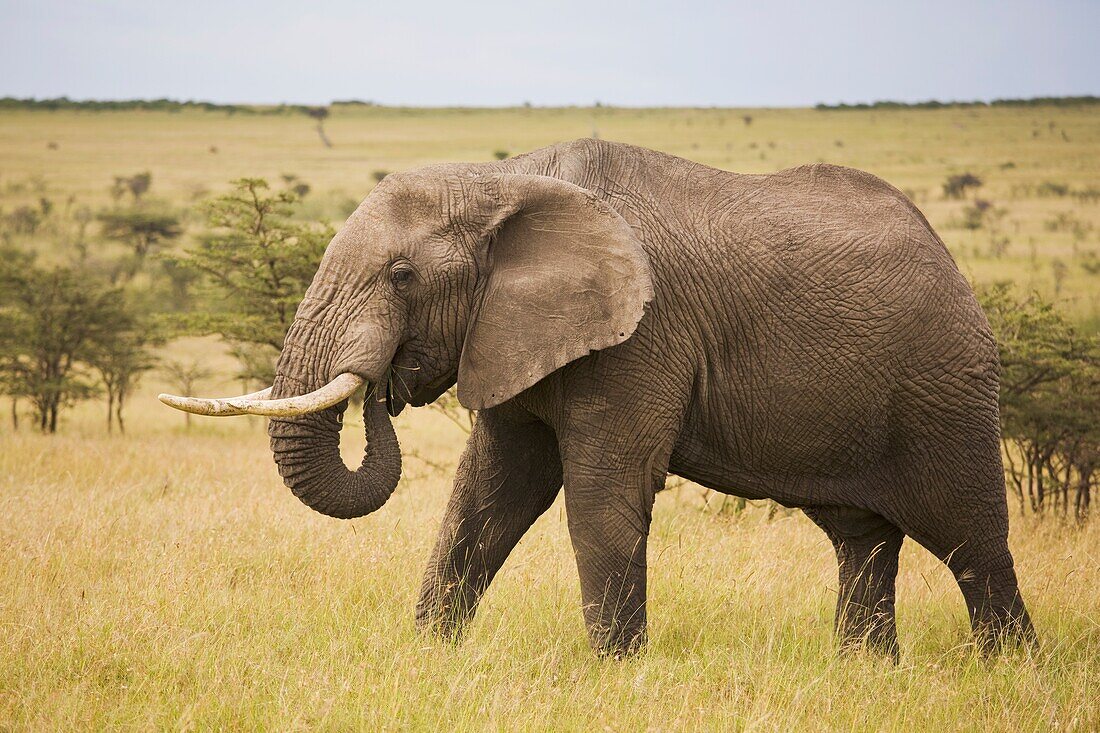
167 579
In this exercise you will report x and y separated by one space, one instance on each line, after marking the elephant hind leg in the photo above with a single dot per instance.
982 565
949 496
997 613
867 548
968 532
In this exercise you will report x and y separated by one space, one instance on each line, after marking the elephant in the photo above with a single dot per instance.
615 315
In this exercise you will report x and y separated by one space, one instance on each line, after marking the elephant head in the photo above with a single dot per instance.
451 273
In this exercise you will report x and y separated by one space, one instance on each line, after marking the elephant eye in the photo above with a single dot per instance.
401 275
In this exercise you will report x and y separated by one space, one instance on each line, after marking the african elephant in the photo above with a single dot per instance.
616 314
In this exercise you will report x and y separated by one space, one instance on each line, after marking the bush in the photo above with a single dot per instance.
1088 195
1090 263
1065 221
956 186
1048 189
975 214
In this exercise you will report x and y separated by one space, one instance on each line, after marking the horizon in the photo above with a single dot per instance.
842 104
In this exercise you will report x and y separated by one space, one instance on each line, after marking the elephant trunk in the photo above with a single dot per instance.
307 446
306 418
307 451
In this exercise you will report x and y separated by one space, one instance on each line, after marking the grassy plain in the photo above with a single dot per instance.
166 579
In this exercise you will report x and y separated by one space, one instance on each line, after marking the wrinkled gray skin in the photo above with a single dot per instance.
617 314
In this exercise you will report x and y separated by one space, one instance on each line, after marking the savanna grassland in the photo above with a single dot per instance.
166 579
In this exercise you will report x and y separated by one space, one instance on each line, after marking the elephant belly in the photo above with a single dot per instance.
788 437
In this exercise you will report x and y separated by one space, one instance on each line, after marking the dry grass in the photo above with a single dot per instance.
167 580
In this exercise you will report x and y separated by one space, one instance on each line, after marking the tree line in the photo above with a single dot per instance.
151 105
1080 101
172 105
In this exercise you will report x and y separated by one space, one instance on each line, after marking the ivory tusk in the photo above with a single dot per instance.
215 406
338 390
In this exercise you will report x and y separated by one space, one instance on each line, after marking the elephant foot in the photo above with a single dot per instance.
1010 629
445 631
609 643
446 623
876 634
861 627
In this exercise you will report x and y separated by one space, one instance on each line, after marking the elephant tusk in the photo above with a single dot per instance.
257 403
215 406
338 390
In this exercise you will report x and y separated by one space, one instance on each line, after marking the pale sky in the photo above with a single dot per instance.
463 52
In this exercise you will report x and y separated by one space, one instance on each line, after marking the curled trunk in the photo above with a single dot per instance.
307 451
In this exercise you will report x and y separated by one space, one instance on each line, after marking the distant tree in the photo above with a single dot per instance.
256 263
975 214
123 358
500 154
82 217
1060 270
379 175
54 319
23 220
141 229
320 114
178 280
956 186
136 185
185 376
296 185
139 184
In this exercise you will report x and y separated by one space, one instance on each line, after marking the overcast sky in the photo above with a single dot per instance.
427 52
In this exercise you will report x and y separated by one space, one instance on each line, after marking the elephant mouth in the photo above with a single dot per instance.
404 386
394 404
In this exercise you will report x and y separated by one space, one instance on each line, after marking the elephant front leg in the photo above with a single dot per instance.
609 518
509 475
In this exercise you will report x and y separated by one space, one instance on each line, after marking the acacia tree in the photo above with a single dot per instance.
184 376
144 231
12 325
122 359
320 114
255 263
54 319
1050 402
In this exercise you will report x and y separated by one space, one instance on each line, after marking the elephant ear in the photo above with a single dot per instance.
564 276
